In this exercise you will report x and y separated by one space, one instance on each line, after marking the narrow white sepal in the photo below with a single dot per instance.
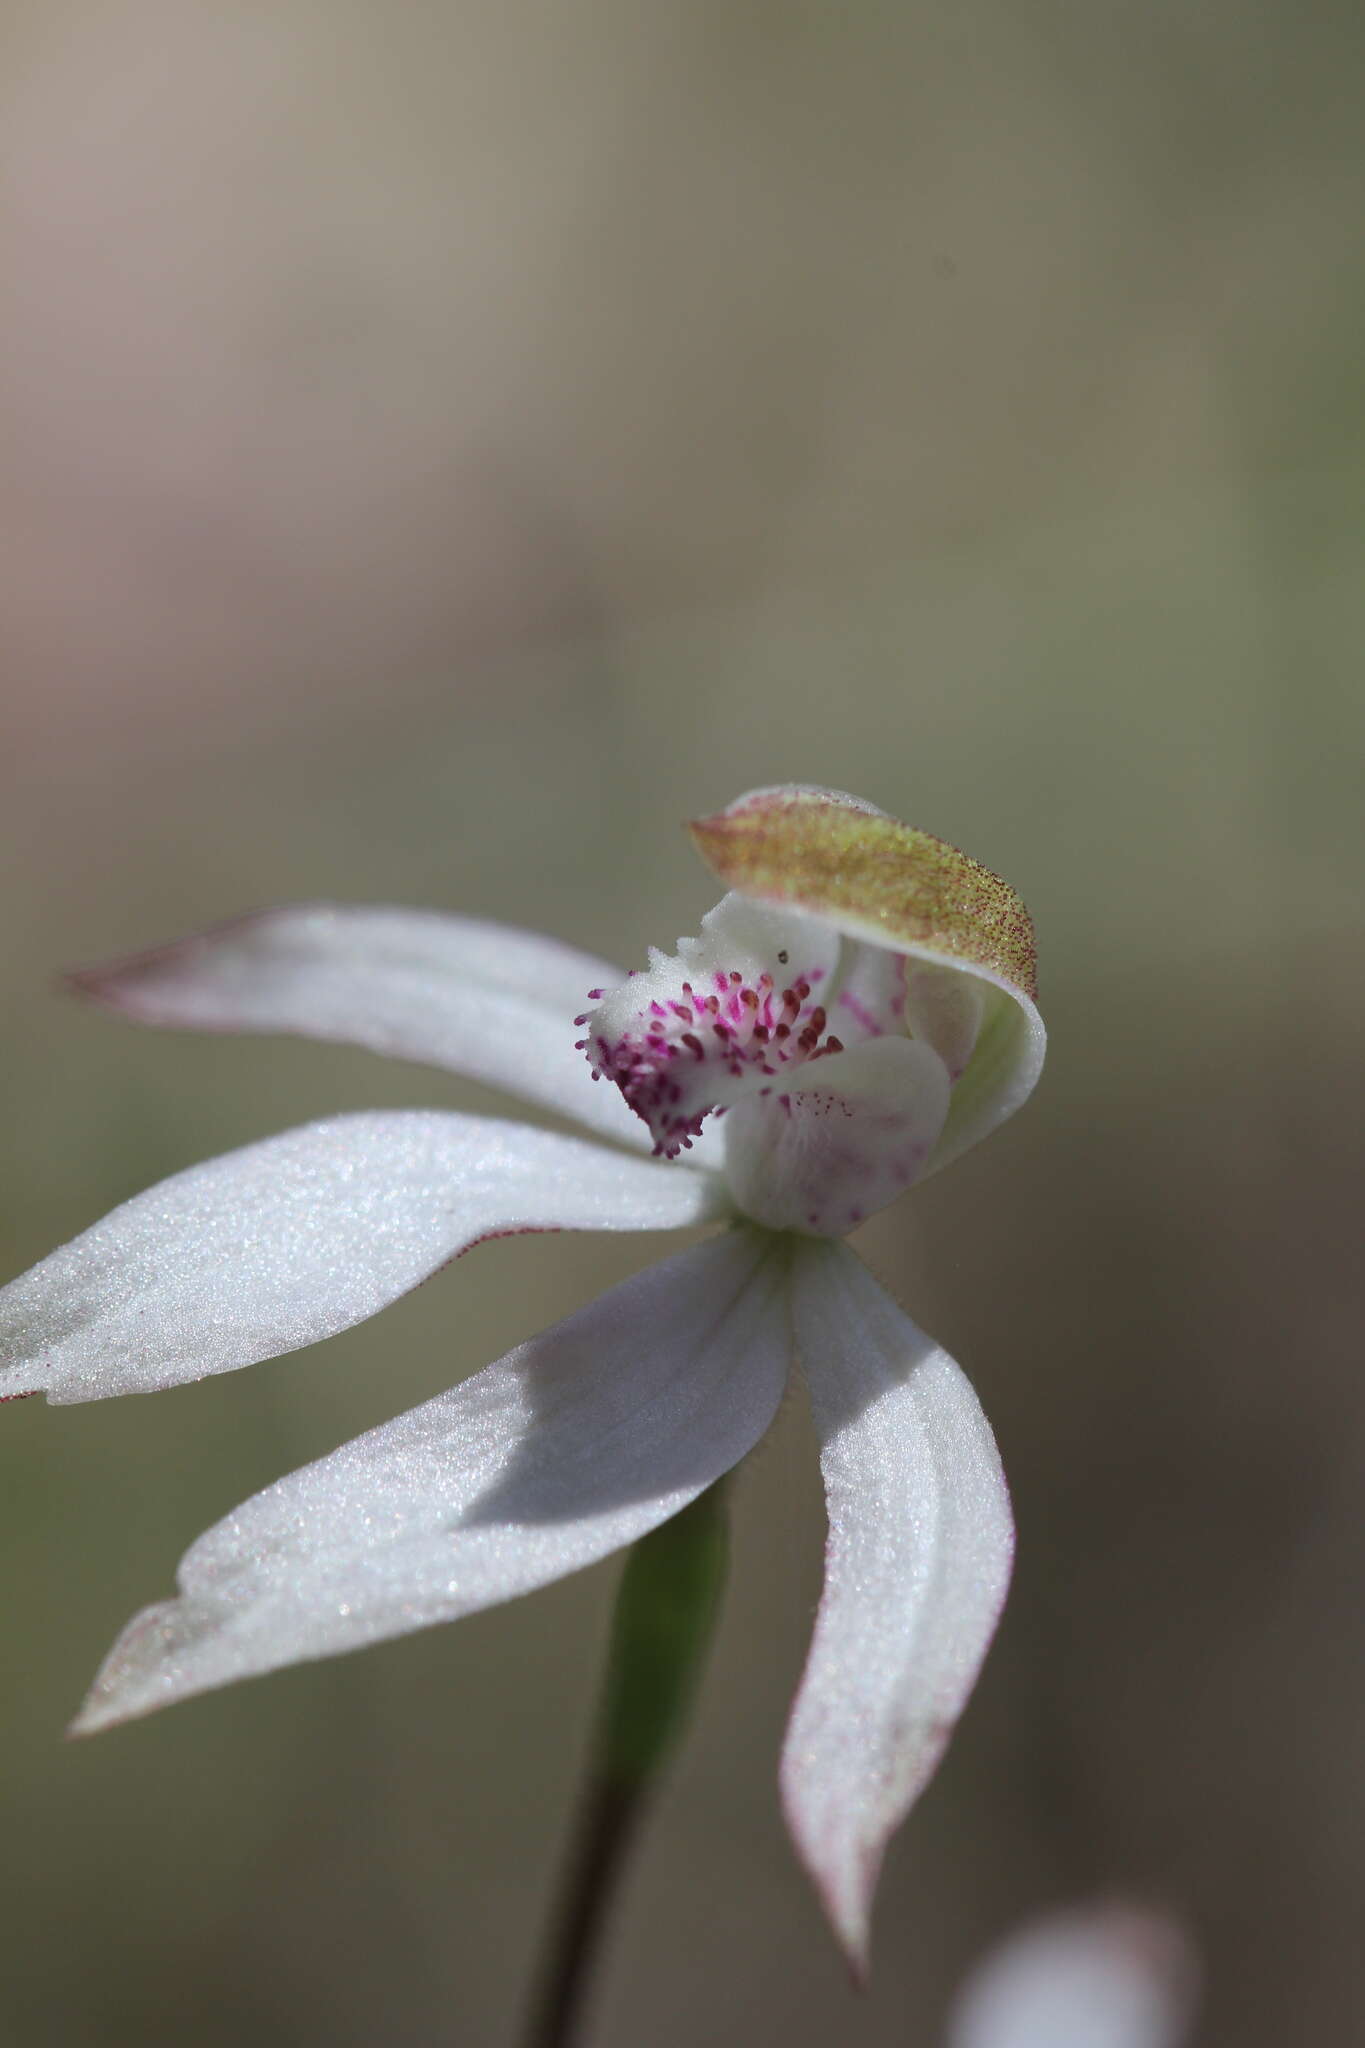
570 1447
288 1241
1112 1976
476 998
1008 1040
917 1565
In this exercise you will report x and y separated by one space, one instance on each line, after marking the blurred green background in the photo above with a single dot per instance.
445 448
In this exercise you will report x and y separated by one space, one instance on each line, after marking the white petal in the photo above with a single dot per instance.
291 1240
1008 1045
713 1022
920 1543
846 1136
568 1448
479 999
870 1001
946 1009
1113 1977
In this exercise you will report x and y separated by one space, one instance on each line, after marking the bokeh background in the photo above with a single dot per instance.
445 447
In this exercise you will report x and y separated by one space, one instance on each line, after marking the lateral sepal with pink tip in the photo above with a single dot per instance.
921 1542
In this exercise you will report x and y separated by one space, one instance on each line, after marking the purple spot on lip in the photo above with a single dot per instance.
754 1033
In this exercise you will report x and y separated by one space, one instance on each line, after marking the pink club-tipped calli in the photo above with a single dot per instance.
857 1010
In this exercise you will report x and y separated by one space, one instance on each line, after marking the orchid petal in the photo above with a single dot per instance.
846 1136
893 886
1006 1061
871 995
569 1447
1113 1977
946 1009
293 1239
476 998
917 1565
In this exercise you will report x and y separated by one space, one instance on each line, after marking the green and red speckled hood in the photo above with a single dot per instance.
964 934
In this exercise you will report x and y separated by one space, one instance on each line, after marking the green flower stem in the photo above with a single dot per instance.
665 1615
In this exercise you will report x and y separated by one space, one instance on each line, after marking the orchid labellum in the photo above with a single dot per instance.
855 1012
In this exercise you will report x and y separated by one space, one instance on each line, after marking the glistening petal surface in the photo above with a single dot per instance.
570 1447
916 1569
1112 1977
479 999
288 1241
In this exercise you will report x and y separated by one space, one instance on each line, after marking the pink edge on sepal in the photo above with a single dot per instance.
572 1446
917 1567
285 1242
475 998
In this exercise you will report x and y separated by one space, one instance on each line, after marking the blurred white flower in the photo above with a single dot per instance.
855 1012
1111 1976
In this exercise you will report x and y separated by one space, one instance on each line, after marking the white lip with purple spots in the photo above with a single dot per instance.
821 1129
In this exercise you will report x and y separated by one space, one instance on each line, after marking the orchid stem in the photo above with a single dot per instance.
665 1615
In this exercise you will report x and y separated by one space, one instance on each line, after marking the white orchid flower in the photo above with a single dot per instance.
856 1011
1111 1976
